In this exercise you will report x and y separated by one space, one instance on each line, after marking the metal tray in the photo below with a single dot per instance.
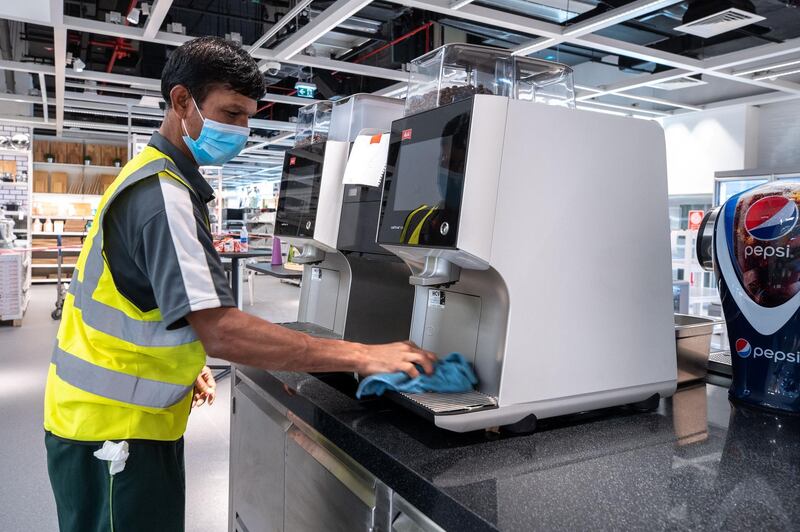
693 344
312 329
430 405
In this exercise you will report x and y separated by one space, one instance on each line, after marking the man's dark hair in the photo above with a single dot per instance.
206 63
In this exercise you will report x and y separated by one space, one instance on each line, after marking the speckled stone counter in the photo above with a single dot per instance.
695 463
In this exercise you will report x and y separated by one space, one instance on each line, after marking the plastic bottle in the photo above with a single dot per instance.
244 243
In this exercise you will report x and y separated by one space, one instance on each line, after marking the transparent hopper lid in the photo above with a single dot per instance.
313 123
361 111
456 72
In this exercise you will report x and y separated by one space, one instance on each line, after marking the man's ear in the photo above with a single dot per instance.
181 101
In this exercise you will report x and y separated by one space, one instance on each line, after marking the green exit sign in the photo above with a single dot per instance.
305 90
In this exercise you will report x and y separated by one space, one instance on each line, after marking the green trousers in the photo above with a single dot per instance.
148 495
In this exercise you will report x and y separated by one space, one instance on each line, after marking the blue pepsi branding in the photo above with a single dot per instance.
744 350
771 217
757 251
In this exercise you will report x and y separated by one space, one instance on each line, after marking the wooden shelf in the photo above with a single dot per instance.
15 153
42 233
51 266
71 197
56 217
69 166
40 280
34 250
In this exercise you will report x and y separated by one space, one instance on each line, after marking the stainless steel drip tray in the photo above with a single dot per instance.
430 405
720 362
313 329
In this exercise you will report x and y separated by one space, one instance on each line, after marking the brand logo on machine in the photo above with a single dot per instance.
406 134
292 161
444 228
771 218
743 348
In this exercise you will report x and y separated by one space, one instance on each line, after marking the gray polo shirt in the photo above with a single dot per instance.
159 247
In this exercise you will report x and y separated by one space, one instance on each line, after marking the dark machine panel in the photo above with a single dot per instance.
299 195
359 222
425 177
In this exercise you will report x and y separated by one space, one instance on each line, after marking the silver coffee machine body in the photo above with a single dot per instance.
514 239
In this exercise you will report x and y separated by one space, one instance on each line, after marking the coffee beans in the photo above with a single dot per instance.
446 95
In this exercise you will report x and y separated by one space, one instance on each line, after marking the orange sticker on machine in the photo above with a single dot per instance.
376 139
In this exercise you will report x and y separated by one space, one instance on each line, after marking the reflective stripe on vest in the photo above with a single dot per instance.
116 323
115 385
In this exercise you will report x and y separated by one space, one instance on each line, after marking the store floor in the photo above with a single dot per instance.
26 502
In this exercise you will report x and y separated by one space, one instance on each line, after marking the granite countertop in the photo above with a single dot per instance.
695 463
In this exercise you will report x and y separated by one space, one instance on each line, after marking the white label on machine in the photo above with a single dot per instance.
367 162
316 274
436 298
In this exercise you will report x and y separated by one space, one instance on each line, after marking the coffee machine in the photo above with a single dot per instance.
538 240
351 288
752 243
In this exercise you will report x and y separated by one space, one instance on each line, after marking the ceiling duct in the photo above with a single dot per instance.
709 18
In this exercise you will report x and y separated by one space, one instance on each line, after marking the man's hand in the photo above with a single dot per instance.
229 333
398 356
205 388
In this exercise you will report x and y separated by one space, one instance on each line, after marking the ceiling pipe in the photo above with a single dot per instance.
389 44
120 43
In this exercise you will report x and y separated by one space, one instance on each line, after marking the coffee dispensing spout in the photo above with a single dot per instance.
435 271
309 255
705 240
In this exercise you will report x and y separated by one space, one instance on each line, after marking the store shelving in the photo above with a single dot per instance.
51 266
15 294
69 166
45 280
65 233
69 197
75 250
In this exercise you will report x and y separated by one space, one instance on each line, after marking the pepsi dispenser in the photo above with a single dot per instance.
512 240
752 242
351 288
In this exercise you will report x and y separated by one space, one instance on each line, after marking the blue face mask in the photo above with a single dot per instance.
218 143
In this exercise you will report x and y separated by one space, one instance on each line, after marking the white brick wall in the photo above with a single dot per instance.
10 193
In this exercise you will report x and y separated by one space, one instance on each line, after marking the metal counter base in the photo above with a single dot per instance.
284 475
307 456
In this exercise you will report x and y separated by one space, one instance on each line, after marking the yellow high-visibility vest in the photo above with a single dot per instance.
117 372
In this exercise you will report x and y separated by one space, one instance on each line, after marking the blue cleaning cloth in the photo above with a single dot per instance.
451 375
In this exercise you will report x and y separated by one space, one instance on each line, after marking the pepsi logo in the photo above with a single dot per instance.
743 348
771 218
